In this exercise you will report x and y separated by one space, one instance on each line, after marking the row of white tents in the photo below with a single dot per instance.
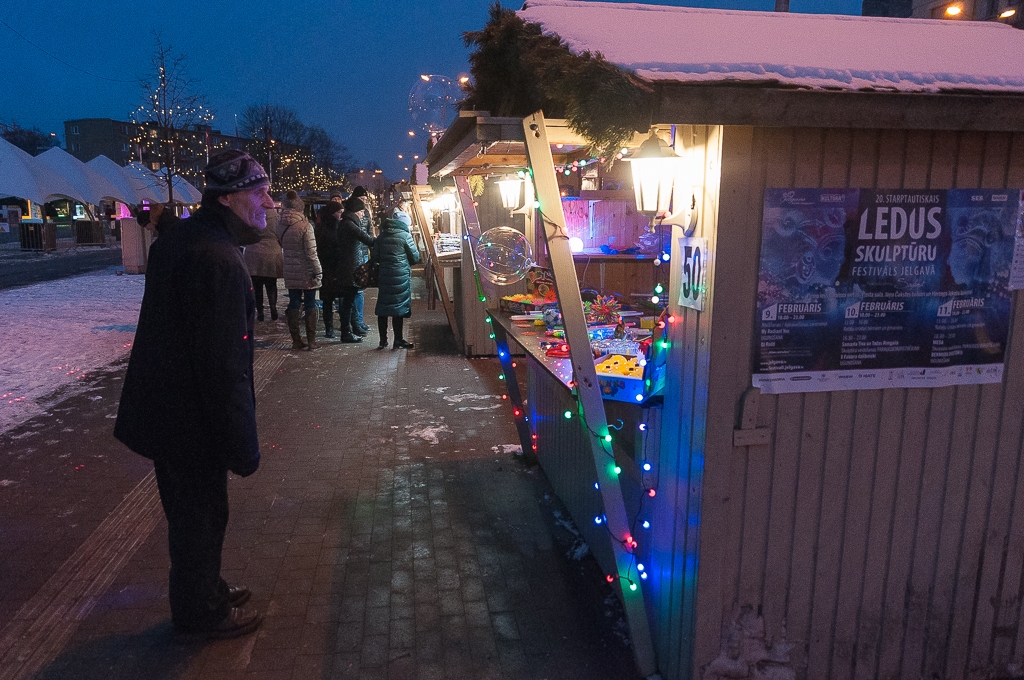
56 174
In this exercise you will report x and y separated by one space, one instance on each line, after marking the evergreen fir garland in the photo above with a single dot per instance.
517 70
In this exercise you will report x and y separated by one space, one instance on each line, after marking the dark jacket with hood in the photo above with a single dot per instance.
350 235
396 252
188 394
328 248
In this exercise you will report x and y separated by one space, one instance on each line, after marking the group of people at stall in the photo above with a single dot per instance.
324 258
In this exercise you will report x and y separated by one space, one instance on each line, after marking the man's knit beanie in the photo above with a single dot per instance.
358 192
231 170
336 194
354 204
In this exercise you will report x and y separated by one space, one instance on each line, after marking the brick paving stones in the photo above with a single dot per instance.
382 536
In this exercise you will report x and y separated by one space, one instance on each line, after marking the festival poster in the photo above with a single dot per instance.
873 288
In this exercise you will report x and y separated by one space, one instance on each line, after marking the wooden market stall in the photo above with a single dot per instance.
834 459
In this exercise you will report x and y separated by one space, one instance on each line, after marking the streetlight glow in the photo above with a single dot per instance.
954 10
1007 13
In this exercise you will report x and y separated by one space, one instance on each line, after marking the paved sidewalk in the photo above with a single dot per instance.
389 533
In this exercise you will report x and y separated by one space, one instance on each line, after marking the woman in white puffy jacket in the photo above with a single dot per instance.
302 272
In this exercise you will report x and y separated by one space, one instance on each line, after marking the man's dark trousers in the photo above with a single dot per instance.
195 500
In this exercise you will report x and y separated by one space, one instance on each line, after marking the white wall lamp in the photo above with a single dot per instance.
656 170
510 191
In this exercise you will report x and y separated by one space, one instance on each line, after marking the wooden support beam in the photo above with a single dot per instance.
519 413
428 241
591 401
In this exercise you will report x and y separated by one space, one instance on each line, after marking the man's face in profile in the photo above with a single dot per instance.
251 205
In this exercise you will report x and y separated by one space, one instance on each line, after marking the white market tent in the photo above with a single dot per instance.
92 185
23 176
183 191
130 185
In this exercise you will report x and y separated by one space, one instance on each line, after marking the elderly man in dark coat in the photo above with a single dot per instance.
188 401
350 235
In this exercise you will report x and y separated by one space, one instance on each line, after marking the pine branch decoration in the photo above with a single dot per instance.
517 70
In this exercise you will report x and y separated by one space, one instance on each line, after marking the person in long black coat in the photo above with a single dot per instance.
350 234
188 401
396 252
328 244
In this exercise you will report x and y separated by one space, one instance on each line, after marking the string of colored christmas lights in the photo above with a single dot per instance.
628 542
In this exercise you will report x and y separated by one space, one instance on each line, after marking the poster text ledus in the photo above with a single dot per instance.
868 288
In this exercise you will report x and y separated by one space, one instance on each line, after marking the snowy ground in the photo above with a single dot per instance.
55 333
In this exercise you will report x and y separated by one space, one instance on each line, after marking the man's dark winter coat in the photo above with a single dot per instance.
350 235
188 393
396 252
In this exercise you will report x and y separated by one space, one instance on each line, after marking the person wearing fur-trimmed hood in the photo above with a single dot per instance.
396 252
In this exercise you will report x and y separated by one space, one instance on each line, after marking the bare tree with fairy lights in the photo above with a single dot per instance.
296 156
172 123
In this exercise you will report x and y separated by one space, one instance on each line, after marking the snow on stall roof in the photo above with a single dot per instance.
817 51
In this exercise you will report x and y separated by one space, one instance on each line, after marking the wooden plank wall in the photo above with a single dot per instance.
670 546
881 532
568 463
604 223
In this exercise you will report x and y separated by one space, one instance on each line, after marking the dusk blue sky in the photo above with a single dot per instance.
347 65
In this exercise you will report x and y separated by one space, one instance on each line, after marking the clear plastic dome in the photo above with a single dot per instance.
503 255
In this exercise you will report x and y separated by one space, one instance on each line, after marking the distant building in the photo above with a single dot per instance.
87 138
1004 11
887 8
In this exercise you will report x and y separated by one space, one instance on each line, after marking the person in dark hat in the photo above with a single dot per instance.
359 327
188 401
350 235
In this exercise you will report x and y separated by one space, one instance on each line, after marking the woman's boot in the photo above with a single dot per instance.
272 300
294 318
311 329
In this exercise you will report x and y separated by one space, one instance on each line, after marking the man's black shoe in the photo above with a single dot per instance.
238 595
237 623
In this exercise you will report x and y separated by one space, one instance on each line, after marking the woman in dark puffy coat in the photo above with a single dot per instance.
396 252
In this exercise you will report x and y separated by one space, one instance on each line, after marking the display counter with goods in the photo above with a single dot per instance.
629 360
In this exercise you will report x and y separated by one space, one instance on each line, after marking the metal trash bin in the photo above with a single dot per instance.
89 233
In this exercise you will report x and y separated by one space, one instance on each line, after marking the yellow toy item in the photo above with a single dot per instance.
617 364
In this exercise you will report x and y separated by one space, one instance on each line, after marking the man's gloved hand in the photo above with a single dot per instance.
244 468
149 214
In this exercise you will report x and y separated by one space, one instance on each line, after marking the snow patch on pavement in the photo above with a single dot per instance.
56 333
506 449
459 398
